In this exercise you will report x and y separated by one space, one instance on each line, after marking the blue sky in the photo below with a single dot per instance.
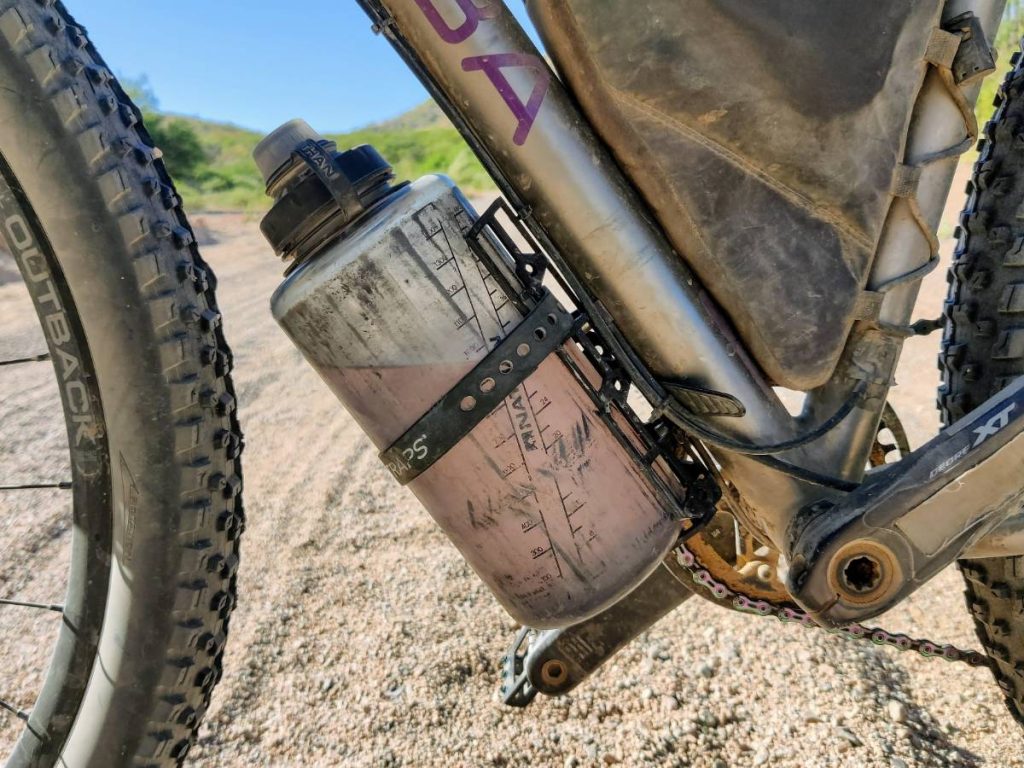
256 63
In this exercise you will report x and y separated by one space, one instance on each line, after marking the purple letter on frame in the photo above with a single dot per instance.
474 15
493 64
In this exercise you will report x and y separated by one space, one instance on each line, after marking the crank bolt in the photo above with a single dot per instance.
554 674
862 574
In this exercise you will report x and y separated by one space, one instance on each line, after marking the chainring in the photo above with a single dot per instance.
731 554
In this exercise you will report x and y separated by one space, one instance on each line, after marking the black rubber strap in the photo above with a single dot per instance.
474 398
322 163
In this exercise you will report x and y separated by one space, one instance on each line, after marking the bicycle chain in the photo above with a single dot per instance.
790 614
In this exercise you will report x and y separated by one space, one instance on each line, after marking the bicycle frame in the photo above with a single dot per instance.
490 79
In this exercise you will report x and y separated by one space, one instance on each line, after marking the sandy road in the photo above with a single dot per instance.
362 639
34 525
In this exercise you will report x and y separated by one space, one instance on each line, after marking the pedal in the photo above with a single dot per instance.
855 559
516 690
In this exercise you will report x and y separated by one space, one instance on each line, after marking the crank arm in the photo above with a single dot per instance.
907 522
561 659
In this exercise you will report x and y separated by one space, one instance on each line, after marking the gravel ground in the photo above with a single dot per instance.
34 525
362 639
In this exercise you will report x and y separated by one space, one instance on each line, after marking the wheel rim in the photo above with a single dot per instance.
47 722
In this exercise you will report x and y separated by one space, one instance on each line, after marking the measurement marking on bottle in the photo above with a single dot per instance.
487 278
511 469
576 507
432 267
496 292
556 435
523 430
462 281
540 524
434 229
515 434
504 440
551 544
463 220
573 529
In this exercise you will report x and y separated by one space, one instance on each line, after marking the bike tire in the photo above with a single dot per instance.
983 351
82 176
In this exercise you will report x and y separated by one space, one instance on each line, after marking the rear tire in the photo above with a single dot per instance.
983 351
85 197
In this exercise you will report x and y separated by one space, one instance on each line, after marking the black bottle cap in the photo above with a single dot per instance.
317 190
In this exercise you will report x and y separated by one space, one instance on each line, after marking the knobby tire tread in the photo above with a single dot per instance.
126 170
983 351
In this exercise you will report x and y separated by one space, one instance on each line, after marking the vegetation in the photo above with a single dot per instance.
212 162
1007 43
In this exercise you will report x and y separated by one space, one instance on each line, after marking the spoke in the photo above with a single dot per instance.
40 606
21 714
20 360
65 486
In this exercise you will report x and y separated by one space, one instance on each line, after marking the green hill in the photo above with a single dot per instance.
1008 42
213 168
426 115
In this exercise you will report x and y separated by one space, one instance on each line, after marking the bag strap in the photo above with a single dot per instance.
959 54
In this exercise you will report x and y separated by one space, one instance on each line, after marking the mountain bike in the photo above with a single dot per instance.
704 204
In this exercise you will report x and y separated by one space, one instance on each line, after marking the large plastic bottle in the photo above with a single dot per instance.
540 498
